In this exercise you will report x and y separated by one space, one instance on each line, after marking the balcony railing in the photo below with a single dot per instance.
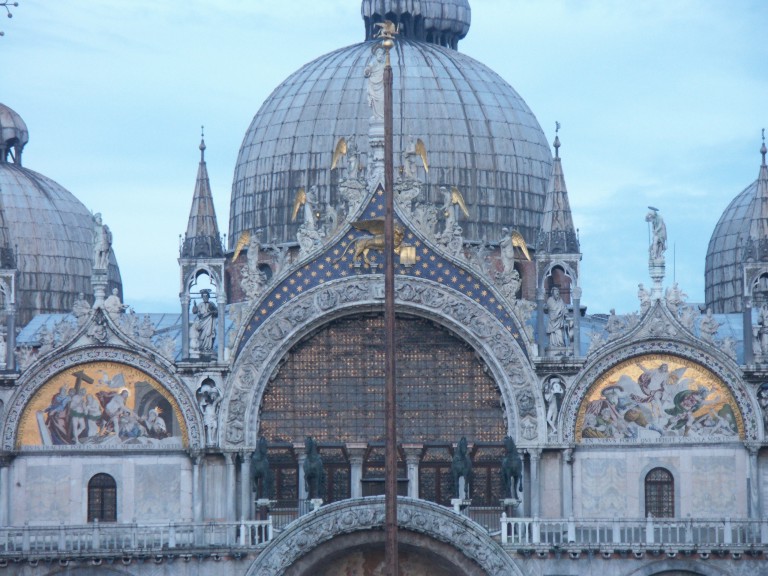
627 534
102 538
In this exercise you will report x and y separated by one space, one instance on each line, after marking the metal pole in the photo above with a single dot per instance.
390 409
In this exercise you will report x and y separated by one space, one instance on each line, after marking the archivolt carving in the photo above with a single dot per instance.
349 516
469 320
31 382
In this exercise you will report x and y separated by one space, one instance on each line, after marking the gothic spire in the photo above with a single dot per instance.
557 234
202 239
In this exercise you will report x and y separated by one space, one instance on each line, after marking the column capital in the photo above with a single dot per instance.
752 447
534 453
356 451
413 452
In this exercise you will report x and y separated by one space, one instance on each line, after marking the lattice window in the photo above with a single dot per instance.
331 387
102 498
660 493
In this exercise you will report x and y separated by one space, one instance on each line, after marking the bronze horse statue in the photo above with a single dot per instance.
314 473
461 466
261 475
511 469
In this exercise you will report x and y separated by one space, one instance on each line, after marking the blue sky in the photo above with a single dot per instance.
661 103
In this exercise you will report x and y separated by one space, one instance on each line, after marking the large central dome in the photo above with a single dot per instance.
479 133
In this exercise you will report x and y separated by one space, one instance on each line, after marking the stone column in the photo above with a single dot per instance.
246 492
356 452
5 491
749 352
197 489
567 482
412 459
576 322
535 454
543 342
301 456
221 302
754 481
184 325
10 337
229 459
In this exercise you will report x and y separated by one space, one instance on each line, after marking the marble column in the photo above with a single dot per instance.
184 326
541 334
356 452
412 459
749 351
754 481
5 491
10 338
535 455
576 322
229 459
567 482
221 302
246 493
301 456
197 489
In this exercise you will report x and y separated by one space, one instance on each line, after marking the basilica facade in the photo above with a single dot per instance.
244 434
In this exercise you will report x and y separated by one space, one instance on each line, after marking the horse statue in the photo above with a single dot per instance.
461 467
314 473
511 469
261 475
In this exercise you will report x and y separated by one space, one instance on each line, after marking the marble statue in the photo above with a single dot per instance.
553 396
205 324
375 74
659 234
102 243
615 324
81 309
675 298
114 307
557 327
645 298
762 330
709 327
208 399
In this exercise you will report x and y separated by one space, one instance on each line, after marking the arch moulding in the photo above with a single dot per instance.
367 514
499 348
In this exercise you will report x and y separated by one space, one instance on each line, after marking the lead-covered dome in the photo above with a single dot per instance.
479 133
50 236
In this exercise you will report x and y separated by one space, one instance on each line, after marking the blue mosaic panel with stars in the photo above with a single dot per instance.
337 261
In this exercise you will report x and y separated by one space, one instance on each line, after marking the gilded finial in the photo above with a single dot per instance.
557 140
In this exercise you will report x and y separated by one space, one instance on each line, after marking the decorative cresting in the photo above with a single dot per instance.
471 321
367 514
89 360
659 391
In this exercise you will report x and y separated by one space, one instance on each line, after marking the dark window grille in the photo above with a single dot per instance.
660 493
331 387
102 498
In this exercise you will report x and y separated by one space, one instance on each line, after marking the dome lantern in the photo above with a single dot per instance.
13 135
441 22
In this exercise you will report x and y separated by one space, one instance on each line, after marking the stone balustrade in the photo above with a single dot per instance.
104 539
669 534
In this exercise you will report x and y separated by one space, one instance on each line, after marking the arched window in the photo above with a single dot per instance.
660 493
102 499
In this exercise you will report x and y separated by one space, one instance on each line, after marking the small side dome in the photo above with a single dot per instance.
13 135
